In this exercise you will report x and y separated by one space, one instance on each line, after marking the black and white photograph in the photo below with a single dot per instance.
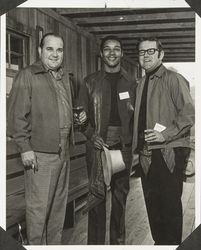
98 104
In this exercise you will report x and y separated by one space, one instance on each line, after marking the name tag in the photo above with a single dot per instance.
124 95
159 127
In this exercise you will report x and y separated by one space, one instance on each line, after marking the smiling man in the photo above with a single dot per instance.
164 115
40 122
108 97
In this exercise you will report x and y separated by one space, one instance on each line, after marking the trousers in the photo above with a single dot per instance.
162 192
46 193
97 215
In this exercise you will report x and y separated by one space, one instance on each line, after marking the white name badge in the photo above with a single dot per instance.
124 95
159 127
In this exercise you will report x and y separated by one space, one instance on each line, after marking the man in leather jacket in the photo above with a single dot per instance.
107 97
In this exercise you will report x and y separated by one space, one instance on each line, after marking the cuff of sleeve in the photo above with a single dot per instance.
89 132
24 147
166 135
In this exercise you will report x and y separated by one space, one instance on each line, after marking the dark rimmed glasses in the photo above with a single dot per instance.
150 51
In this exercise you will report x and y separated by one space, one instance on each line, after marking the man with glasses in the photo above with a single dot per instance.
108 97
164 114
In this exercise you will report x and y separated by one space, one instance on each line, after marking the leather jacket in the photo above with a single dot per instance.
95 97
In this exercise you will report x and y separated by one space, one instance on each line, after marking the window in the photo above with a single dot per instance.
17 55
16 51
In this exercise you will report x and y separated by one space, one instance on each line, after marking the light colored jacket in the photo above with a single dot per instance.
170 104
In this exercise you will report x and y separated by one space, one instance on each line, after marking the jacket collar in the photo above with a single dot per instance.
159 72
38 68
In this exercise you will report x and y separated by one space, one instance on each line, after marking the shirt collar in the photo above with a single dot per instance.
38 68
157 72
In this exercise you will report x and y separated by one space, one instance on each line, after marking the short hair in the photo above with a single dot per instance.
106 38
46 35
151 39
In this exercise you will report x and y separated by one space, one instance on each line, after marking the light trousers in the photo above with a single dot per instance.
46 192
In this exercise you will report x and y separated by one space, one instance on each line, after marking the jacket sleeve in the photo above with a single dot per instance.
19 110
180 94
84 100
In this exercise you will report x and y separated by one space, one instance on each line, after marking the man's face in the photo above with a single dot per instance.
112 53
52 52
150 62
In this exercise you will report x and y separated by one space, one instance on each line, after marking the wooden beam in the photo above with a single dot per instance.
64 21
87 11
99 12
121 22
160 36
141 18
166 59
168 45
168 40
141 31
178 51
160 27
155 33
166 54
179 60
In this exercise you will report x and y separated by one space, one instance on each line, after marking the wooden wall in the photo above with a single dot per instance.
81 48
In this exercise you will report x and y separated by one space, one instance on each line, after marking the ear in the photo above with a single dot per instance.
162 53
39 51
101 54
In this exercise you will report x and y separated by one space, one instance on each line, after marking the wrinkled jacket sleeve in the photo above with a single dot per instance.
180 94
84 100
19 110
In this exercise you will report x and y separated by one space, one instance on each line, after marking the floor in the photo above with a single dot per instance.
137 225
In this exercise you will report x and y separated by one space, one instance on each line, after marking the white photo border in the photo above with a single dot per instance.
95 4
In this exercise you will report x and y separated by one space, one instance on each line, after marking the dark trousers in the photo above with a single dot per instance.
162 191
97 215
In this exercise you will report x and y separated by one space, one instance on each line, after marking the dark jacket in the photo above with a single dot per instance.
95 97
33 116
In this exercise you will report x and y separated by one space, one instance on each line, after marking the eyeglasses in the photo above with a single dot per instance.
150 51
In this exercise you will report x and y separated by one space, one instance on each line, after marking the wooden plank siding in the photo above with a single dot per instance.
25 22
81 48
15 199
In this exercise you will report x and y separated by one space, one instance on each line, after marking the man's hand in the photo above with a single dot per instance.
81 118
29 159
153 136
98 142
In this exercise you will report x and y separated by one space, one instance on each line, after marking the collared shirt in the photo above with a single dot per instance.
62 100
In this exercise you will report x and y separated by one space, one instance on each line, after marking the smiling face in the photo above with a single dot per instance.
150 62
51 54
111 55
